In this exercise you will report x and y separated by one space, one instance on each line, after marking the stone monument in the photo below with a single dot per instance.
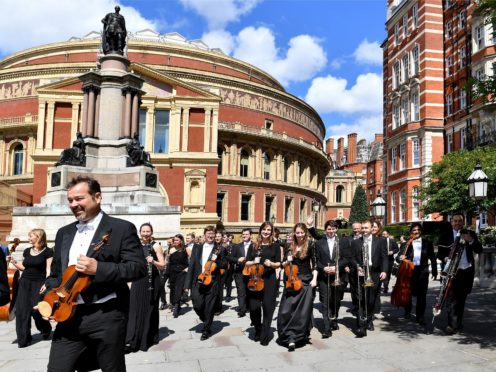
105 150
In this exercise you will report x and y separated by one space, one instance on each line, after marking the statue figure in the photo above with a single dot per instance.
137 156
114 32
75 155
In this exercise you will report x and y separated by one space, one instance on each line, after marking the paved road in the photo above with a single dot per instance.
395 345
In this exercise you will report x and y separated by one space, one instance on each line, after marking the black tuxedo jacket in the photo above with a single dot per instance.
380 260
238 251
444 243
120 260
4 283
426 255
196 267
324 259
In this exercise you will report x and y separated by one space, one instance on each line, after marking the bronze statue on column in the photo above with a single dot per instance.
114 33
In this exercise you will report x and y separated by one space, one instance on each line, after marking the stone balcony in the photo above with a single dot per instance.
18 121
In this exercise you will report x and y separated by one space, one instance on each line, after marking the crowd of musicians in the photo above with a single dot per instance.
129 278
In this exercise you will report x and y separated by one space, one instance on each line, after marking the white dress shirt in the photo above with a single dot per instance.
330 244
207 249
246 245
417 251
368 241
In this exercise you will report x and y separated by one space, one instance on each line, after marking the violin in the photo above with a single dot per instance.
293 282
402 292
255 272
60 303
7 311
205 277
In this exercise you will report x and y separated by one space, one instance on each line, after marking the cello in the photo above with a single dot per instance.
293 282
255 272
60 303
7 312
402 292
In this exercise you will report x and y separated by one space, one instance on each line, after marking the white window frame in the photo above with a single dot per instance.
397 34
405 25
406 67
462 138
414 16
402 156
479 35
416 60
405 106
449 142
462 57
415 152
393 206
396 114
449 30
415 98
415 204
463 99
462 20
394 159
396 75
402 205
449 104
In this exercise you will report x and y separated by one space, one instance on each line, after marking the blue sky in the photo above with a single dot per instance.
326 52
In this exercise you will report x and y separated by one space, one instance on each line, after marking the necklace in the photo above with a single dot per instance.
35 252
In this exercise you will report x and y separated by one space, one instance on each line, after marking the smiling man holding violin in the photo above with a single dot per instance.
96 331
204 279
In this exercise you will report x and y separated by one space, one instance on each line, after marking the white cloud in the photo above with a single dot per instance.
303 58
218 13
46 21
330 94
366 127
368 53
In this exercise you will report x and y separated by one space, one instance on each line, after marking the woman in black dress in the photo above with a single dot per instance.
177 268
35 268
294 320
142 325
268 253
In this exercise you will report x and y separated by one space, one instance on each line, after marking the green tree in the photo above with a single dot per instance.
446 190
359 207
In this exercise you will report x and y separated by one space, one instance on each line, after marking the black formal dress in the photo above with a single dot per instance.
295 320
331 295
379 264
462 283
178 262
392 248
420 276
204 297
143 318
4 283
28 295
95 336
239 251
264 301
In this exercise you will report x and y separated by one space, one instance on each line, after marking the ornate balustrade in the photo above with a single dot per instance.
485 268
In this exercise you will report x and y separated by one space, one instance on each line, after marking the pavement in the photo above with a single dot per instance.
396 344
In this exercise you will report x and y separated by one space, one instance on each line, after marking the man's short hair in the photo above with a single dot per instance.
246 229
331 223
209 228
191 235
414 225
93 185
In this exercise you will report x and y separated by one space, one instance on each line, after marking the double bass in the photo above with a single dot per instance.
60 303
7 312
402 292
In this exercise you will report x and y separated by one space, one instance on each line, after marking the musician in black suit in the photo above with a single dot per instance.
4 283
328 249
237 259
463 280
203 296
376 267
97 330
392 249
448 237
420 252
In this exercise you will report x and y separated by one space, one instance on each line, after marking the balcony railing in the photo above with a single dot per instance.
16 121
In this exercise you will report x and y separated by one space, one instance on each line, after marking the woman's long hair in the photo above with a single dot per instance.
294 243
41 235
181 238
259 237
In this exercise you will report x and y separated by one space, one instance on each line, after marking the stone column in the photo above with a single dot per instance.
49 129
208 144
258 164
97 112
91 112
135 113
126 125
29 153
233 163
215 129
2 154
84 120
41 126
150 128
174 129
185 127
74 120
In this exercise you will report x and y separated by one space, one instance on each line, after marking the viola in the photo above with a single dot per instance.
7 311
402 292
205 277
293 282
60 303
255 281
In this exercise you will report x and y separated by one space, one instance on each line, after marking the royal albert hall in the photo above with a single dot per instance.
228 141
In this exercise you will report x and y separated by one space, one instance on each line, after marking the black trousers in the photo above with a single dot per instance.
389 270
96 333
205 299
229 280
418 286
241 288
462 286
369 296
353 280
163 280
330 297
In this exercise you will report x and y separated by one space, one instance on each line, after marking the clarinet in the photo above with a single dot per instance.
150 267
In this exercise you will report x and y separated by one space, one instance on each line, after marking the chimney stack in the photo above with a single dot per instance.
352 148
330 147
378 137
340 153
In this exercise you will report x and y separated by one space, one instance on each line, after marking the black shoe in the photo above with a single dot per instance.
291 346
327 334
450 330
421 321
361 332
334 326
264 342
228 298
385 290
257 335
175 313
205 335
163 306
46 335
370 326
241 314
408 316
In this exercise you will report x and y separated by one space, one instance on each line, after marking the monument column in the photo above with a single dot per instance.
135 112
41 126
126 124
49 124
97 112
84 120
91 112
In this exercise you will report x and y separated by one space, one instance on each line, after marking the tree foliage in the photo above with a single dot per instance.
359 207
446 190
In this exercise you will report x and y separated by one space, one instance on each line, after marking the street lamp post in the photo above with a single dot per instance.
477 188
273 220
316 209
378 207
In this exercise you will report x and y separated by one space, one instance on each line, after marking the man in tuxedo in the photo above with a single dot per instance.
463 280
331 255
4 283
448 237
97 330
392 249
238 261
376 267
205 296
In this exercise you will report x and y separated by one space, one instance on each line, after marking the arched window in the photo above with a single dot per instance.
18 159
339 194
243 163
267 161
220 154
